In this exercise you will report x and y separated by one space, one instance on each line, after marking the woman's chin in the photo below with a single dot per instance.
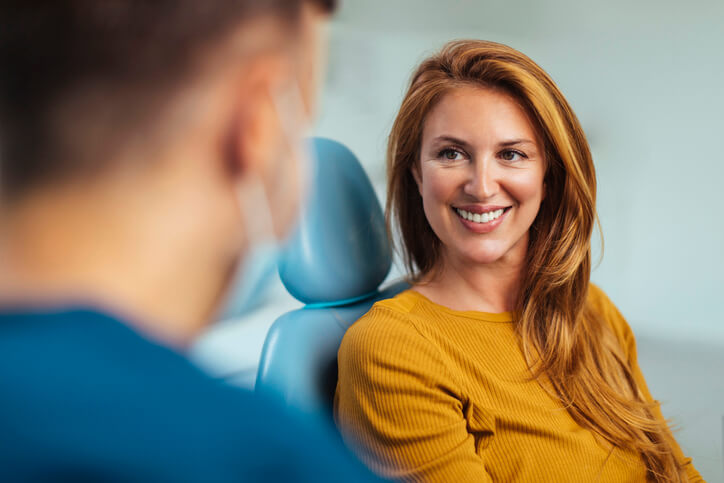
484 257
501 250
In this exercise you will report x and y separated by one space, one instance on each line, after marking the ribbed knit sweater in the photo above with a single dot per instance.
431 394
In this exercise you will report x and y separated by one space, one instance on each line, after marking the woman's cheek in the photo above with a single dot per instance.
439 191
527 187
441 184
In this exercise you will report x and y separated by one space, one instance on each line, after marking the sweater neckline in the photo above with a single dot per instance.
504 317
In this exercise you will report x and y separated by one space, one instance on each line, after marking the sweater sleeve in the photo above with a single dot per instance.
624 333
398 406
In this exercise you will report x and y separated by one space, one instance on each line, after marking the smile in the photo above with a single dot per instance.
481 218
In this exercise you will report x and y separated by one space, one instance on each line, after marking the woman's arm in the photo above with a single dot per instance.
398 406
625 335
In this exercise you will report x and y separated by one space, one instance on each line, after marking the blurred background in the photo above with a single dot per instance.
645 78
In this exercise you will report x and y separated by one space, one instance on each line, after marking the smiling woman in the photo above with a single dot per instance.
502 362
480 171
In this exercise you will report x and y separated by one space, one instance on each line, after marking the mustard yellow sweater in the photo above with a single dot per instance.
427 393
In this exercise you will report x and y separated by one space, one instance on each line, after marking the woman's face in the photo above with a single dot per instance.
480 175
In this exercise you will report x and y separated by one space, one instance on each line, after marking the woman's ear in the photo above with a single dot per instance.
546 172
417 176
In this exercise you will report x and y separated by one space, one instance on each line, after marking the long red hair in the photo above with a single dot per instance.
560 335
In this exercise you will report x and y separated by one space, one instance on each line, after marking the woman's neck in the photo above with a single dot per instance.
460 284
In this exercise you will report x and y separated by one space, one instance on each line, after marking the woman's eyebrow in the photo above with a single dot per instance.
513 142
451 139
464 144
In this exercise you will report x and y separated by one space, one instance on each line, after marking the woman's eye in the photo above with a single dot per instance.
511 155
450 154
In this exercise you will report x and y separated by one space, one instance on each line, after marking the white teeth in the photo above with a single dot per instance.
480 217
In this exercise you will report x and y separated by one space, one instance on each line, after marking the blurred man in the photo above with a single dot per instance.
146 148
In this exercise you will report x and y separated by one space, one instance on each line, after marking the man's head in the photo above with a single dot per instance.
80 78
169 109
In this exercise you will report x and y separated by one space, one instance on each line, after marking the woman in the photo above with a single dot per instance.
502 362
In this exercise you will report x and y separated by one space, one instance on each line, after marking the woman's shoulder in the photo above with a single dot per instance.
401 304
386 330
387 318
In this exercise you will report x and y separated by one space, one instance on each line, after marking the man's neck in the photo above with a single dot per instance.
99 246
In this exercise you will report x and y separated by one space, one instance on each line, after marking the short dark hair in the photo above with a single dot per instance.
51 49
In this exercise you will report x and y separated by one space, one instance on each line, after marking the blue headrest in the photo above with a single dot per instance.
339 252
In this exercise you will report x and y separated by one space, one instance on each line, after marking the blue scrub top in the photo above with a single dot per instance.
84 397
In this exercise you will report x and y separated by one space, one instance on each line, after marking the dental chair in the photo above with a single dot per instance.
334 263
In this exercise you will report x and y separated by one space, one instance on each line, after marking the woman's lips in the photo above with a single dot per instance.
481 219
480 208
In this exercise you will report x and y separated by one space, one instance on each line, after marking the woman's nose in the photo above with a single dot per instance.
482 182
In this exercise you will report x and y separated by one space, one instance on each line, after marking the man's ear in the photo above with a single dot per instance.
254 124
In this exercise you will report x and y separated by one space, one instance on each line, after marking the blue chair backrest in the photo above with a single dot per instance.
334 263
